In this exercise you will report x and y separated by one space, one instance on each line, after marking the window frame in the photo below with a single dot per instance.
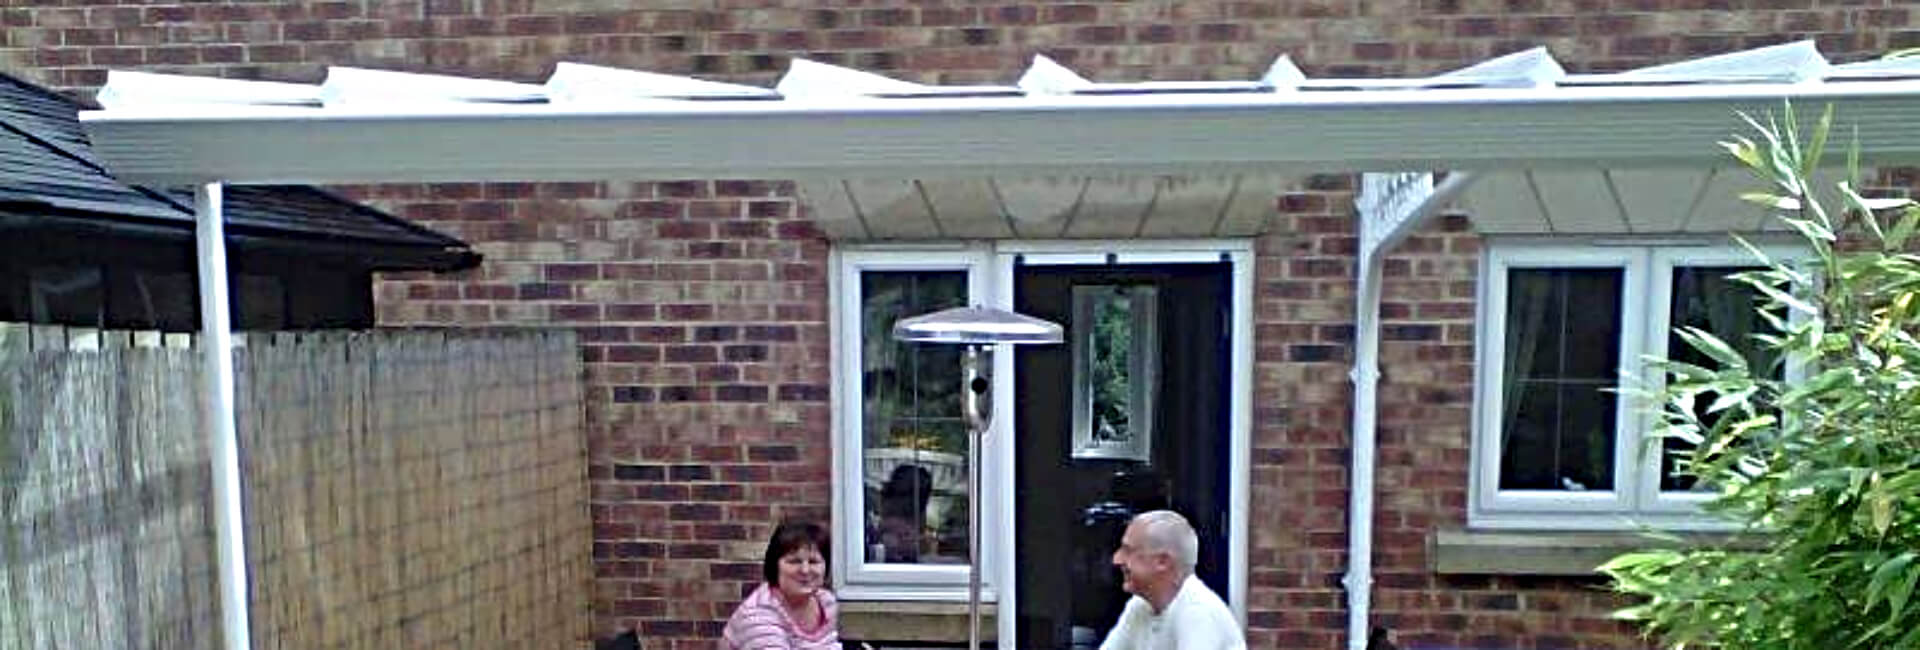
1635 500
1491 359
853 576
1651 499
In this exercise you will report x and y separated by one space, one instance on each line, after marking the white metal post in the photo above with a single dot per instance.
1366 379
1391 207
223 444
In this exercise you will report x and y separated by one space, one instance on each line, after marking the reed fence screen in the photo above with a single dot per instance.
403 489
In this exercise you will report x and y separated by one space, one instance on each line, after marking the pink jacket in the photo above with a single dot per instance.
762 623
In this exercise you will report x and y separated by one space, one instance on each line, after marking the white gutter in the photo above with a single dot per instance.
1380 231
223 444
1310 131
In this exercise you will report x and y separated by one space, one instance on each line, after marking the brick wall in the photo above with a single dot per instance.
702 303
701 308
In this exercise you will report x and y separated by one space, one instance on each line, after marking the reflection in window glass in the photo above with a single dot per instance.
1705 298
915 434
1111 366
259 303
1562 353
67 295
153 299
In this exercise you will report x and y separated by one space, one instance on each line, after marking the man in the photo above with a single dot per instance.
1170 609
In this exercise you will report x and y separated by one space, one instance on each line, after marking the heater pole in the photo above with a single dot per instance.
977 424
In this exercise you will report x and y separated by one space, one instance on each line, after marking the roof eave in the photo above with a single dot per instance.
374 255
1473 129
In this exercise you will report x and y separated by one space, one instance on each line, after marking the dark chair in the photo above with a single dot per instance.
1381 639
623 641
903 512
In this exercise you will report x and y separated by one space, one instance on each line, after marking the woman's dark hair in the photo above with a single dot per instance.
789 537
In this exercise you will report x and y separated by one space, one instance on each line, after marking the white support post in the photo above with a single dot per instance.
223 443
1391 207
1366 380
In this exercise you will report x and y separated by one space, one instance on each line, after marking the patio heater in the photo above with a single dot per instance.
977 328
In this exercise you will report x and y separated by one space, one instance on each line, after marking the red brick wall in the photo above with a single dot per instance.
701 307
702 303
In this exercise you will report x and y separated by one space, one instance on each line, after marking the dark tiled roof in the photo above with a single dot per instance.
46 162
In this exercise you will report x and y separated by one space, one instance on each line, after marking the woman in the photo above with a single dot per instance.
792 610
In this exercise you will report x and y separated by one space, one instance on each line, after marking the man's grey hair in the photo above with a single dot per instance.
1166 530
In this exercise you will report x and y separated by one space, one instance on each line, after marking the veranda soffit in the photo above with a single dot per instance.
826 122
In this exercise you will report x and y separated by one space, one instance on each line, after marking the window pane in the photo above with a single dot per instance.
1703 297
67 295
915 446
153 299
259 303
1562 351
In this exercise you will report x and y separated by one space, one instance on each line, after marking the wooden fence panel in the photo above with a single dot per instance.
403 489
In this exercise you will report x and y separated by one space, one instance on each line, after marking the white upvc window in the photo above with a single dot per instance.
1561 440
901 472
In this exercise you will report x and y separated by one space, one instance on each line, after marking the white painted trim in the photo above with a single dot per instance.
1038 252
1240 418
993 284
1497 260
854 578
1006 527
1386 130
1635 502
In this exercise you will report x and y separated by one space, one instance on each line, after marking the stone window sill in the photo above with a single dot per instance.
912 622
1551 553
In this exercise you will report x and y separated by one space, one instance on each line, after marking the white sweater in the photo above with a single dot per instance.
1196 619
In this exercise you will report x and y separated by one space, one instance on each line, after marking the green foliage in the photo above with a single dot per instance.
1112 364
1823 470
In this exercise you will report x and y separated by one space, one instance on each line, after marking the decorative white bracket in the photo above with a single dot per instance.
1391 205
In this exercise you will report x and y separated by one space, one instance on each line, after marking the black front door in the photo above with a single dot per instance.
1157 351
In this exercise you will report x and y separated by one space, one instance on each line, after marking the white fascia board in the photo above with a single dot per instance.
1309 132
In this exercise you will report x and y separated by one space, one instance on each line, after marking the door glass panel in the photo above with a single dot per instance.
1562 354
915 434
1116 353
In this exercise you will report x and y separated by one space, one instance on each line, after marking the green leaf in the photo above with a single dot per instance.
1771 201
1902 229
1823 463
1817 147
1744 151
1884 577
1788 300
1712 346
1881 508
1902 591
